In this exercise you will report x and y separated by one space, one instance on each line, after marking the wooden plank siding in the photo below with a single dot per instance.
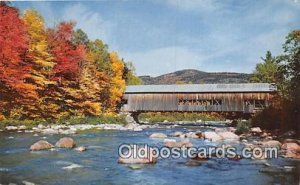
196 102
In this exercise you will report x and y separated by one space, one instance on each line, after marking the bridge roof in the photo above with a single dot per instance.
200 88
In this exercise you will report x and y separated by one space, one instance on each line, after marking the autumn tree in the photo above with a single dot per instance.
98 51
91 84
117 83
42 64
13 65
68 58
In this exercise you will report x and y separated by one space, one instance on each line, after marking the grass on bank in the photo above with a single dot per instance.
242 127
156 117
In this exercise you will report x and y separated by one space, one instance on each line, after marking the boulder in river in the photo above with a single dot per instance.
271 143
256 130
65 142
173 144
191 135
41 145
213 136
228 135
158 135
291 150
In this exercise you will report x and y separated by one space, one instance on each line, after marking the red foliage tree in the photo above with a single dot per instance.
13 46
67 56
14 65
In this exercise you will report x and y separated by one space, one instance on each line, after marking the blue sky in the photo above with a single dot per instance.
164 36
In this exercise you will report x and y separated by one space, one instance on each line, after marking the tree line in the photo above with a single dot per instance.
284 70
57 72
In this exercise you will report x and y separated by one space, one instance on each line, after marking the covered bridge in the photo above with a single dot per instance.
244 98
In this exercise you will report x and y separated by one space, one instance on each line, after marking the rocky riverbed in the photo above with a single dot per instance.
88 154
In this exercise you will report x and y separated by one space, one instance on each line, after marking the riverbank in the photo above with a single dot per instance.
77 128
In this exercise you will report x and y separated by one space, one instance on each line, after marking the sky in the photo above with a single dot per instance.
163 36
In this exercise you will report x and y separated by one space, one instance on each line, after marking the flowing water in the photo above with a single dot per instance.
98 165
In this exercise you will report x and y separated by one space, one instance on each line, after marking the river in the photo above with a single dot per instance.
98 165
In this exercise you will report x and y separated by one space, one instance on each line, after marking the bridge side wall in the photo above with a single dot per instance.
186 102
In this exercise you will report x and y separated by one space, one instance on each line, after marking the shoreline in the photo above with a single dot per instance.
131 126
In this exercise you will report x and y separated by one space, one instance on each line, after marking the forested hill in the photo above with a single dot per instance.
197 77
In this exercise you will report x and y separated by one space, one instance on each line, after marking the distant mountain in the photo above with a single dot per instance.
196 77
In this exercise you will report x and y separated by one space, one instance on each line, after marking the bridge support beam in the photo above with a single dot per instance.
135 116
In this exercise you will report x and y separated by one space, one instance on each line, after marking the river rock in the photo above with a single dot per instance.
199 134
50 131
131 125
220 129
191 135
80 149
228 135
129 119
292 150
212 136
150 158
264 135
173 144
169 140
41 145
68 131
271 143
292 141
65 142
158 135
22 127
40 126
11 128
256 130
176 134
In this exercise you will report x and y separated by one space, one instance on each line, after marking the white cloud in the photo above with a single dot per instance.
194 5
164 60
89 21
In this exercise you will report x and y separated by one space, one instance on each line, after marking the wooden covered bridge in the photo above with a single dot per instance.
246 98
